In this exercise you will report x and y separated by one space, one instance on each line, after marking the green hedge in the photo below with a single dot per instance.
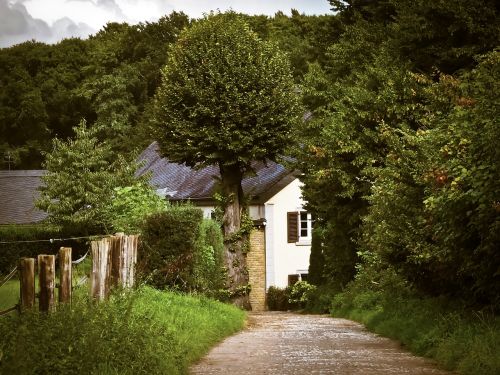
11 251
182 251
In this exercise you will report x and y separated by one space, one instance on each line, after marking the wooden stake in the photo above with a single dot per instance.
27 282
117 259
65 274
131 255
101 269
47 269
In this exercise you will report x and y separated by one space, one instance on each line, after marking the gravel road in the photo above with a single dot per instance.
287 343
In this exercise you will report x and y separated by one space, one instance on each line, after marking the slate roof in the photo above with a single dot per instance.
18 191
179 182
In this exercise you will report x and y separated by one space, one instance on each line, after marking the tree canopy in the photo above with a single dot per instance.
227 98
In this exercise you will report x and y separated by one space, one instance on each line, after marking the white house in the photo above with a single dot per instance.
276 204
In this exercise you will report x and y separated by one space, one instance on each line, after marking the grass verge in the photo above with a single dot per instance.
458 339
142 332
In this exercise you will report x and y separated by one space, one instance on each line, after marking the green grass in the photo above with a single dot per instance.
9 294
458 339
142 332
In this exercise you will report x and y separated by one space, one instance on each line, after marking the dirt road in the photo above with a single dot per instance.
286 343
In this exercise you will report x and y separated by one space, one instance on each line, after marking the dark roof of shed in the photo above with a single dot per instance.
180 182
18 192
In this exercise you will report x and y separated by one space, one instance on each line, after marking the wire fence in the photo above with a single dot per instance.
14 270
114 259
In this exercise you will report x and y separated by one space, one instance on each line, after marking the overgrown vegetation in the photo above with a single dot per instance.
457 337
181 250
293 297
140 332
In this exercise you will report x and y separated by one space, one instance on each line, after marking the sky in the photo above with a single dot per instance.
52 20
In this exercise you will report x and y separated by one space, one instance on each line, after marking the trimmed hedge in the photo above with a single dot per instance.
12 251
182 251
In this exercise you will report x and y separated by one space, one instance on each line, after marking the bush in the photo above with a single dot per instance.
319 300
209 271
11 252
277 299
296 296
299 294
183 251
169 244
140 332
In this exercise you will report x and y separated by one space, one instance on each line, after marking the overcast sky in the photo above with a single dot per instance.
51 20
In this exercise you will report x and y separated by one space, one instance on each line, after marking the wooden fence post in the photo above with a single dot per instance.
124 259
27 282
65 274
117 259
131 253
101 268
47 268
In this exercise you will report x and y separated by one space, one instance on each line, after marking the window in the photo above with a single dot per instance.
301 276
299 227
305 226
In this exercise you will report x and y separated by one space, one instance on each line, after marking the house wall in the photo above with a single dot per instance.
282 258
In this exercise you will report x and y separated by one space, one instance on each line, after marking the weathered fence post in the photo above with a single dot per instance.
101 268
65 274
27 282
124 258
46 277
131 253
117 258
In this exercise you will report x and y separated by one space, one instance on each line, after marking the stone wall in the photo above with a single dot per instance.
256 262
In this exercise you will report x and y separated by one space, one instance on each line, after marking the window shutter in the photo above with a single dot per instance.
293 226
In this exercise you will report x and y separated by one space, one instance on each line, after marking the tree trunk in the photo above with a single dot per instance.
235 257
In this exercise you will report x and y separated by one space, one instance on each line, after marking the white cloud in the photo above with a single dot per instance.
51 20
18 25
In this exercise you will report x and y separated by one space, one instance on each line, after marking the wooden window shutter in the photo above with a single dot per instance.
293 226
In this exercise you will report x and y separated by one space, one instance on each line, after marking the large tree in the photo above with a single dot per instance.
227 99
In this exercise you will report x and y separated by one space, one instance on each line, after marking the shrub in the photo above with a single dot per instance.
130 205
209 272
277 299
169 245
183 251
320 299
299 294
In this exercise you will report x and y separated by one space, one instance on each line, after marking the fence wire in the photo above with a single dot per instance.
9 276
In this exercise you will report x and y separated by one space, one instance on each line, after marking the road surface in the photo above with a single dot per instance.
288 343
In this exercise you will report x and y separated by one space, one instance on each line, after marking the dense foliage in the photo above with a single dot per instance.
110 79
78 190
399 159
293 297
183 251
444 329
141 332
227 99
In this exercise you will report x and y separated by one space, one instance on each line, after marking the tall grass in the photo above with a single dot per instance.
9 294
456 337
142 332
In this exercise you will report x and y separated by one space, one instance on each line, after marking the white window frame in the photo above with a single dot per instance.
304 240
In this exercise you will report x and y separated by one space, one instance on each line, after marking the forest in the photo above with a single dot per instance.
398 156
397 148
